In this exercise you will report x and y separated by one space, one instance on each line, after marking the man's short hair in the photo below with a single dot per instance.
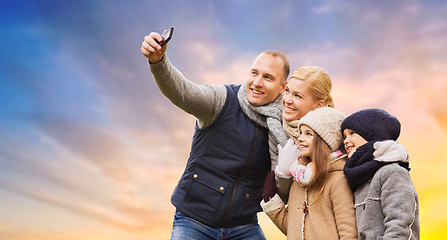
284 59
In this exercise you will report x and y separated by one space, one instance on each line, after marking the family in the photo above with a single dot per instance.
276 144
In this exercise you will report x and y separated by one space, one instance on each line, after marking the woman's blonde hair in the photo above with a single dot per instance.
319 82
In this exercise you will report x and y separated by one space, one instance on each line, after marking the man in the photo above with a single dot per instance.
219 192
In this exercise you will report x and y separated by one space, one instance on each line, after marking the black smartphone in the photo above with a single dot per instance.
166 36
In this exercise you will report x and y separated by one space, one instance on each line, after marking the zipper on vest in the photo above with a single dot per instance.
240 175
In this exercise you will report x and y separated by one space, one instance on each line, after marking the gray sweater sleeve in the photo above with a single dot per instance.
283 187
202 101
282 184
399 203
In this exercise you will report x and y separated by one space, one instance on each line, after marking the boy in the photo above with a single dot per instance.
386 202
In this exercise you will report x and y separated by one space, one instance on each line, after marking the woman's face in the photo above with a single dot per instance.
298 100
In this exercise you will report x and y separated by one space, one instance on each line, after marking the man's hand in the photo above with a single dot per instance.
151 49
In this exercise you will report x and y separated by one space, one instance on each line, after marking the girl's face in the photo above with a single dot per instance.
306 141
352 141
298 100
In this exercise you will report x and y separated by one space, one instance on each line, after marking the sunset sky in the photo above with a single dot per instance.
91 150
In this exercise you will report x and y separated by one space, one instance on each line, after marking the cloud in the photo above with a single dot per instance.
130 206
215 65
102 142
322 9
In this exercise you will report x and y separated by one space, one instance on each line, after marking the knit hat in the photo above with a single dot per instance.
326 122
373 124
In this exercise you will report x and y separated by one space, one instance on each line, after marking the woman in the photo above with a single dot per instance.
310 120
307 88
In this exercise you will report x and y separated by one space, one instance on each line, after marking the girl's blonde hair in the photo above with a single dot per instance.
319 82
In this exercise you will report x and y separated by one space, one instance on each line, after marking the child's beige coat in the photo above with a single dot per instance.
332 216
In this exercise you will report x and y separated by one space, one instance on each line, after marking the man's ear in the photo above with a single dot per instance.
283 87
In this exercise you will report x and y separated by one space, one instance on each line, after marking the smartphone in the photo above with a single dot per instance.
166 36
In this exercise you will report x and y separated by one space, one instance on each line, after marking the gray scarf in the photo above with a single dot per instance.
268 116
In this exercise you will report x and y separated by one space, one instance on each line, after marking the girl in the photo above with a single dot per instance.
322 208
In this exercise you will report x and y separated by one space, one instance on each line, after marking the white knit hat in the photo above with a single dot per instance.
326 122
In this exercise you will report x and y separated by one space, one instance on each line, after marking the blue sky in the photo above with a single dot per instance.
81 120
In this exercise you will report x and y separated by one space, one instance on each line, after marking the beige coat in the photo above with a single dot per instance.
332 216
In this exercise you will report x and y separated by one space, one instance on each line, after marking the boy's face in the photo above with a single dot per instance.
352 141
306 141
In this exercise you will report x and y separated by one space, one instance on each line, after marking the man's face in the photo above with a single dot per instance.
264 83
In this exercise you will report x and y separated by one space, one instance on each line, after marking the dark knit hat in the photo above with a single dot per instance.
373 124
